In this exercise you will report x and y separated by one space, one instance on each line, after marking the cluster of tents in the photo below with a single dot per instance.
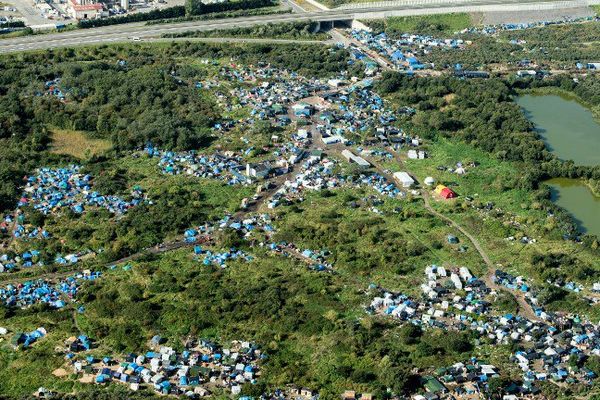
220 258
216 166
52 189
54 293
403 52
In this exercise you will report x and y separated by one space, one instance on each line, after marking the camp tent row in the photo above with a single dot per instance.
194 372
215 166
35 258
257 226
353 110
546 344
274 92
404 52
316 173
494 29
21 229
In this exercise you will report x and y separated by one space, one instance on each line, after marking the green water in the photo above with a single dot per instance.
568 129
575 197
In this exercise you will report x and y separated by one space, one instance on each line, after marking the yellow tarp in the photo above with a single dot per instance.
439 188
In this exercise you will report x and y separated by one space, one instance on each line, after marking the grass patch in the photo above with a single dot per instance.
425 24
77 144
360 241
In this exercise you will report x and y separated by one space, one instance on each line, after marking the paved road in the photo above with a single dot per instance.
243 40
125 32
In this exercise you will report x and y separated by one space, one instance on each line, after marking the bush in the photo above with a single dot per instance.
196 7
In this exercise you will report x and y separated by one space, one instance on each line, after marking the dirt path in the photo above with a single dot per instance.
524 308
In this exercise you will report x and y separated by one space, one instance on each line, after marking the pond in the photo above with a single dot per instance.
575 197
568 128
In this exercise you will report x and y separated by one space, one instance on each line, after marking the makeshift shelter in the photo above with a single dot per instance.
404 179
445 192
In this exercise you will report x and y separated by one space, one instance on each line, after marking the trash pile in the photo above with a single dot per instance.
52 89
53 189
54 293
221 167
196 371
403 52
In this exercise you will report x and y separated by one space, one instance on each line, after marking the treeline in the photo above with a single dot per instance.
286 30
223 15
22 141
13 24
171 12
483 114
197 7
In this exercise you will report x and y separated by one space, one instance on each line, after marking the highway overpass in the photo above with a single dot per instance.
125 32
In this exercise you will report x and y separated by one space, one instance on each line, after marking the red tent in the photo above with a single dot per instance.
447 193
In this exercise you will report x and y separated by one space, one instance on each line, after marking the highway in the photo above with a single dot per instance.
126 32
